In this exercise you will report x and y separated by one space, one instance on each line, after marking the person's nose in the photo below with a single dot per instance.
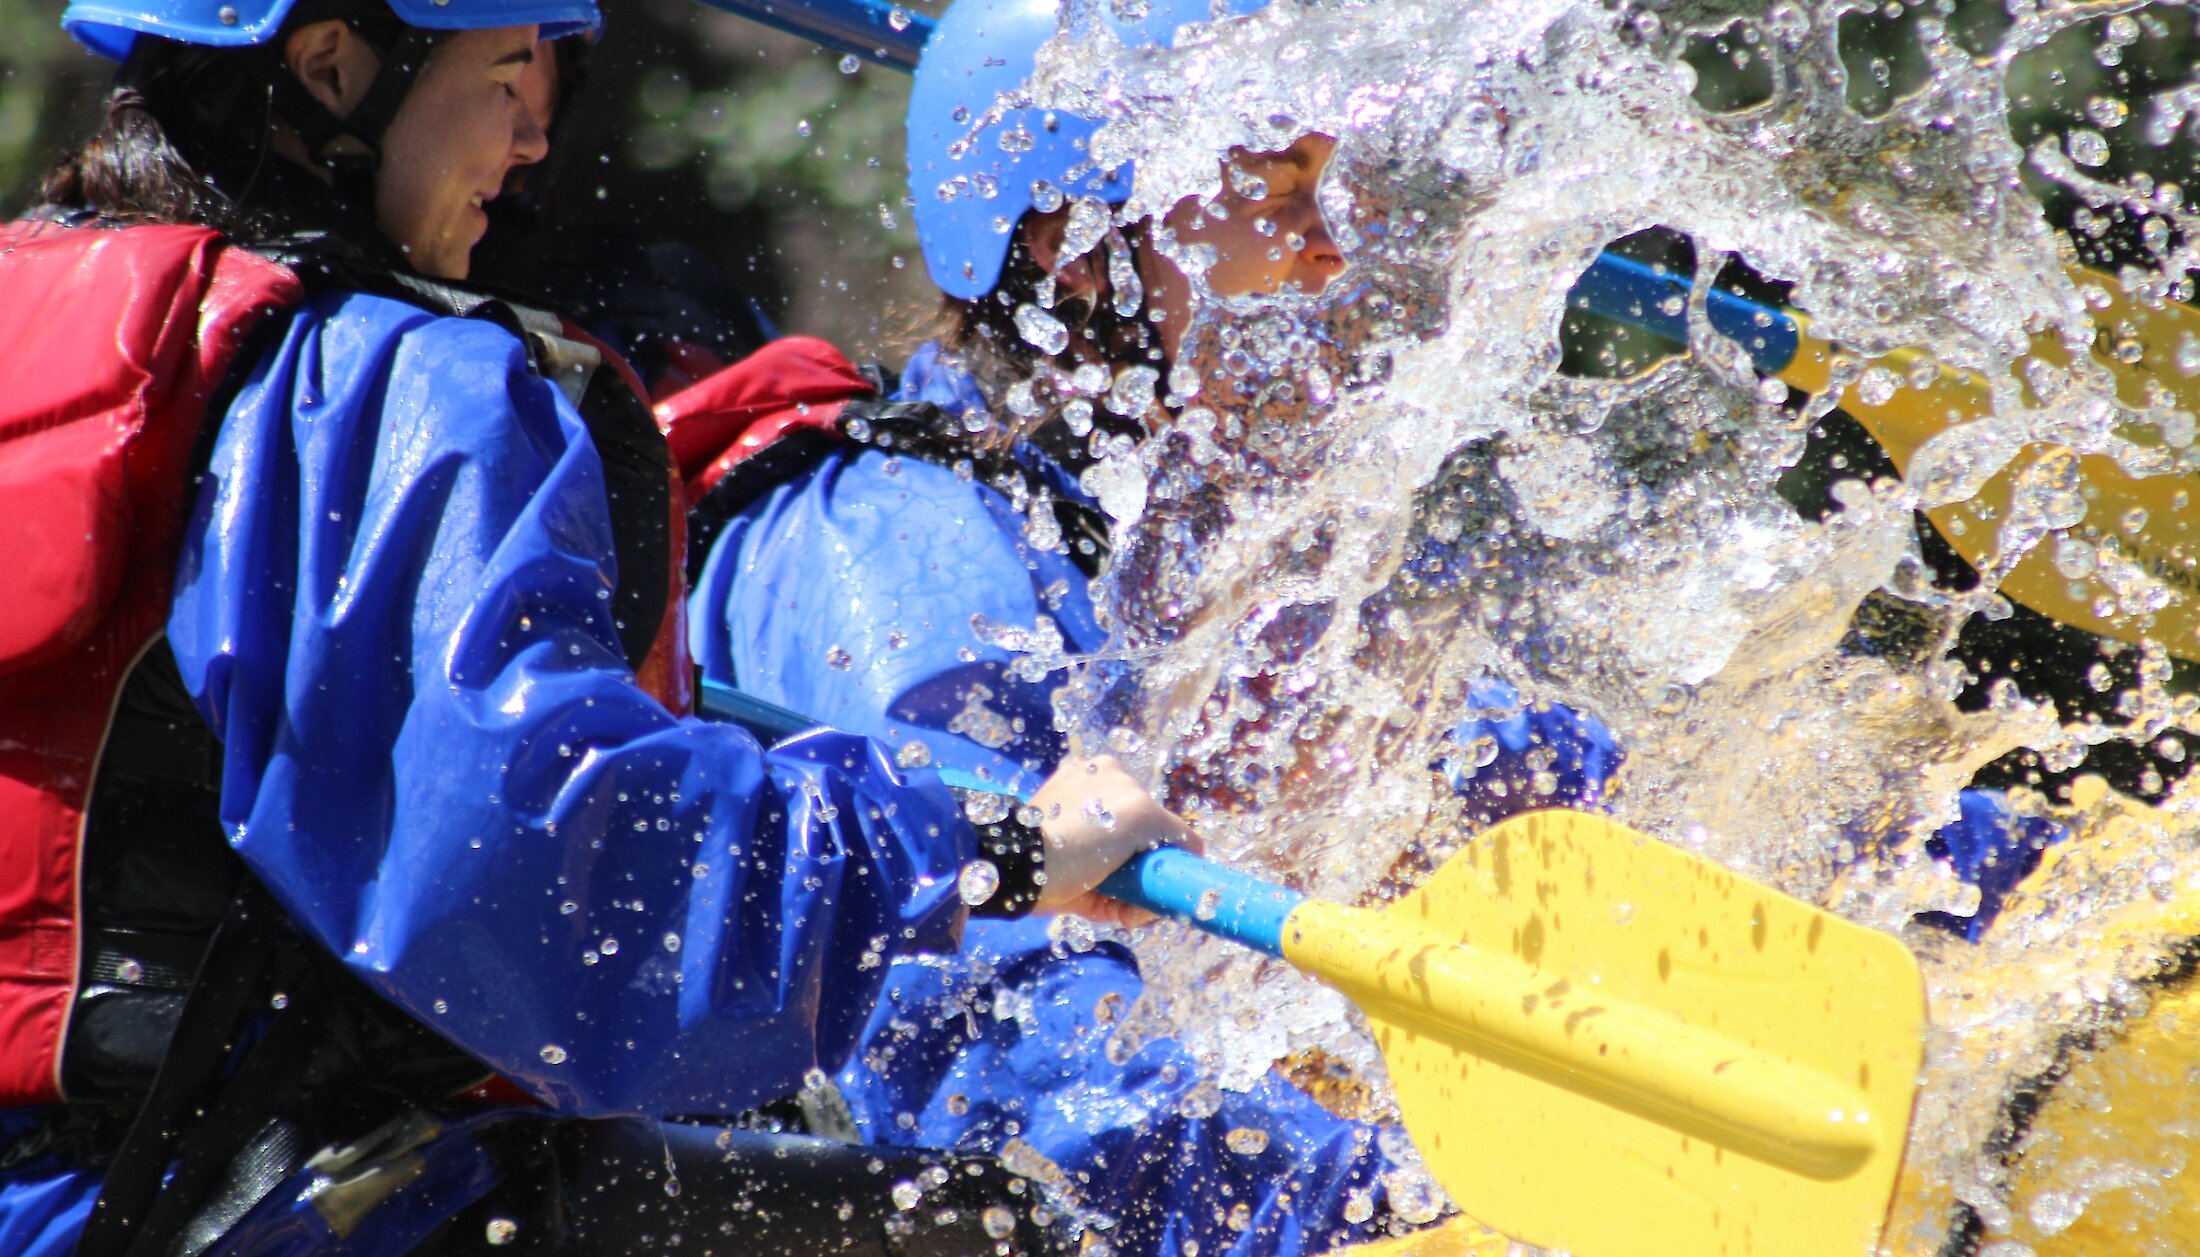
1318 260
530 142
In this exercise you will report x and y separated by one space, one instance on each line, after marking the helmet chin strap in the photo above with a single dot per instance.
367 123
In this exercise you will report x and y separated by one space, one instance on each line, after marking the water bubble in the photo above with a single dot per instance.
914 753
1089 219
1414 1198
987 807
2073 558
978 882
850 64
1876 387
906 1195
998 1221
609 946
1072 933
1097 812
1041 330
2053 1211
2087 148
500 1231
838 659
898 18
1210 901
1246 1141
552 1054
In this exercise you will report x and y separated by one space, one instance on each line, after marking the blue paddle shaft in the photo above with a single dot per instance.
1655 301
863 27
768 721
1221 901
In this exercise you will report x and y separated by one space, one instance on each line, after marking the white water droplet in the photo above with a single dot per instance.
978 882
1246 1141
1041 330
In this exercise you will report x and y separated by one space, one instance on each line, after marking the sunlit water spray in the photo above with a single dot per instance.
1375 499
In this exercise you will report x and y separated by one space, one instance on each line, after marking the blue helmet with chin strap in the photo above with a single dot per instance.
972 184
111 27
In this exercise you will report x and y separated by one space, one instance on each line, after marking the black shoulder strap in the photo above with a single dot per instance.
137 1215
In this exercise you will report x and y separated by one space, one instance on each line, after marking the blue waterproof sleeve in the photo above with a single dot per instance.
394 608
874 592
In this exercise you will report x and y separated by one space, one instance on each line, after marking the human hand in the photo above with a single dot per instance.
1094 815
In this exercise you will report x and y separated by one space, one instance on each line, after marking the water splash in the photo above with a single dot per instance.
1374 499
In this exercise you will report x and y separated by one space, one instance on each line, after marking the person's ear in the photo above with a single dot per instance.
333 63
1043 235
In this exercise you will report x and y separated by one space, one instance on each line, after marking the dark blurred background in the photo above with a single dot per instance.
778 162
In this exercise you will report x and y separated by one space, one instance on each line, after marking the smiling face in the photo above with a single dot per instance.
1268 238
465 125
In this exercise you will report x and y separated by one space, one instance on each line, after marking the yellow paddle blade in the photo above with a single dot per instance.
2148 524
1604 1044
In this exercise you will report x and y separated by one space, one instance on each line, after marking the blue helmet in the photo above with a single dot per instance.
971 188
110 27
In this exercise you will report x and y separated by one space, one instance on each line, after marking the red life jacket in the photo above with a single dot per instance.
793 385
114 343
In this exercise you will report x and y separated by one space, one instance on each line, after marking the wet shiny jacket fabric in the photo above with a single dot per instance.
850 593
393 607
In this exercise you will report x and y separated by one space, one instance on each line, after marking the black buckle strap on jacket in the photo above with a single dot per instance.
136 1216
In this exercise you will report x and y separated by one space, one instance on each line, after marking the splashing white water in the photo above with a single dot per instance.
1383 495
